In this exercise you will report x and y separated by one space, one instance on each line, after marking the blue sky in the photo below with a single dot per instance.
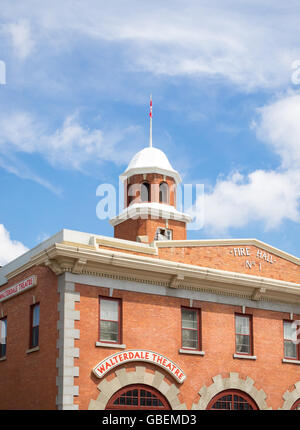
224 76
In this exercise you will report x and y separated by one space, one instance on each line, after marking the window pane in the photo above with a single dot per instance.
109 331
145 192
190 339
290 331
290 349
2 350
35 336
243 344
242 325
36 315
109 310
3 331
189 318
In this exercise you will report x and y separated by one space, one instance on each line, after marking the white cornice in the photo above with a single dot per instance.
153 210
68 258
140 170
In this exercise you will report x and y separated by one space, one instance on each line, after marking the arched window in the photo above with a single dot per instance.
232 400
163 193
145 192
138 397
296 405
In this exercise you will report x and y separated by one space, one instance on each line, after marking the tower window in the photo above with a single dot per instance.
163 193
163 234
145 192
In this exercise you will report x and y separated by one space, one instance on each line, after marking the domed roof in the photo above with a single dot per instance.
150 160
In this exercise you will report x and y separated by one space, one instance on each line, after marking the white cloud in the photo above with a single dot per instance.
269 197
236 41
279 126
71 146
9 249
21 37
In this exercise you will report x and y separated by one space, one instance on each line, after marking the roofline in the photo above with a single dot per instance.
140 170
89 260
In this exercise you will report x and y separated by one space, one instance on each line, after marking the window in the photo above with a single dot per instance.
3 335
190 328
232 400
291 347
145 192
163 193
34 325
243 334
138 397
110 312
163 234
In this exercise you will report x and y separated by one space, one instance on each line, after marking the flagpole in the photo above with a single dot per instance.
150 140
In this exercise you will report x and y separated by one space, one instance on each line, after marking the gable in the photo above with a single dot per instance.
249 256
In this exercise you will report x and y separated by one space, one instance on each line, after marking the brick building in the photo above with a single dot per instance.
149 319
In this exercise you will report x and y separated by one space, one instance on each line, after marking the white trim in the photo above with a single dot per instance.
246 357
152 209
155 170
286 360
191 352
111 345
29 351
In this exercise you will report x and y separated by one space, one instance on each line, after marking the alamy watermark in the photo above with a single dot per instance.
2 73
189 201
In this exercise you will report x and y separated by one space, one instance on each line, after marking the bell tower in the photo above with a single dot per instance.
150 186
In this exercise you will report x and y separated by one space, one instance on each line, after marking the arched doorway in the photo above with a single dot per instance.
138 396
232 400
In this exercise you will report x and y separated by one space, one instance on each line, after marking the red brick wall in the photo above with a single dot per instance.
154 323
223 258
28 381
131 228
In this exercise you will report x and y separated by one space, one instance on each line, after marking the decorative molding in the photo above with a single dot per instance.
79 265
232 382
258 292
290 397
139 376
54 266
174 283
120 265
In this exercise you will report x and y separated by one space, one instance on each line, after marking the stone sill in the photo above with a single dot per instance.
246 357
285 360
111 345
191 352
29 351
3 358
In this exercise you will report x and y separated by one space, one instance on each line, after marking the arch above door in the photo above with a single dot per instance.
140 375
233 382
